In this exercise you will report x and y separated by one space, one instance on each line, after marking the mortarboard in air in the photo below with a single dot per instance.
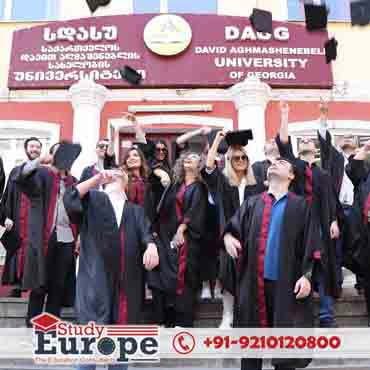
360 13
65 155
316 16
261 20
130 75
222 149
240 137
95 4
331 50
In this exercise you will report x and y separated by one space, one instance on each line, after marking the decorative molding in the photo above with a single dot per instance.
251 91
171 108
87 92
342 92
122 124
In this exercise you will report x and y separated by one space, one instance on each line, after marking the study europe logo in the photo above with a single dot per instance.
60 342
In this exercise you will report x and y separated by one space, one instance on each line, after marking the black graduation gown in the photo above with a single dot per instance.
41 187
88 172
358 256
15 206
227 200
102 274
260 170
181 268
2 177
298 242
315 185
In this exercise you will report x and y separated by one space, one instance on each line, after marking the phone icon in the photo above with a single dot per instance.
183 343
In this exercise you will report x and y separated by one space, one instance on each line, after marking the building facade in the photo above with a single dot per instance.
207 83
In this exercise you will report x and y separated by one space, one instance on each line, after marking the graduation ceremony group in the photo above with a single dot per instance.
146 239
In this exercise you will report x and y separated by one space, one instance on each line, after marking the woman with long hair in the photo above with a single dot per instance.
180 225
229 188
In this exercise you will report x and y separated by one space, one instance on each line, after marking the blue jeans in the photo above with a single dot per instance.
326 313
110 367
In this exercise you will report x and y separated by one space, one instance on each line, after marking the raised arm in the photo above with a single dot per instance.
284 117
181 140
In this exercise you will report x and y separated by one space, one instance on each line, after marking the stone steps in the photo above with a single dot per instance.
350 311
198 364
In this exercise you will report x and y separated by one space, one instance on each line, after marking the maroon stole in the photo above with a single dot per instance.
122 311
366 210
136 191
266 218
308 189
183 251
23 233
52 205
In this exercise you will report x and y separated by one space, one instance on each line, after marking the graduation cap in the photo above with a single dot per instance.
331 50
45 322
240 137
261 20
222 149
316 16
130 75
65 155
95 4
11 241
360 12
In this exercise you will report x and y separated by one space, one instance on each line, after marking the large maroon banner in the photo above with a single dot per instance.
186 51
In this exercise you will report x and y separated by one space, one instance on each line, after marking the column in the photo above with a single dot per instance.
250 98
87 98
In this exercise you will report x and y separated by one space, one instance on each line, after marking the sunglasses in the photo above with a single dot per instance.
164 150
102 146
237 158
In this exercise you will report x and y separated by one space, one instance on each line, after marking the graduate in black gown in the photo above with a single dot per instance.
105 159
180 225
333 160
49 266
315 185
15 207
229 188
116 248
360 232
260 167
275 238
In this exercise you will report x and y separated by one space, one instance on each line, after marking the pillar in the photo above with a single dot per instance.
87 98
250 98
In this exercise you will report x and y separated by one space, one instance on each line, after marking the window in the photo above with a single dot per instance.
146 6
338 10
2 9
186 6
175 6
35 10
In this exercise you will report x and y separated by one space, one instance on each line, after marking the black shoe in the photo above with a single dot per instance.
15 293
328 324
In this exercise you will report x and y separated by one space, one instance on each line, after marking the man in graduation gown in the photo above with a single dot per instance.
15 208
105 160
116 246
315 185
359 175
49 267
333 160
260 167
275 237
